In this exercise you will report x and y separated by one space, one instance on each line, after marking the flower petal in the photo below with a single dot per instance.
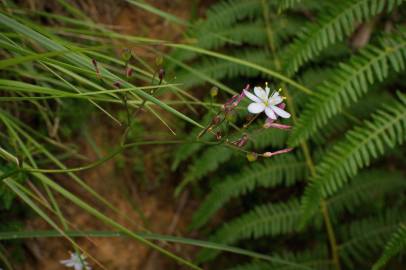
259 92
269 112
256 107
275 100
251 96
280 112
267 90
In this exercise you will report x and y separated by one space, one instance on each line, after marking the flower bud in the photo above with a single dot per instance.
215 121
252 156
269 124
218 135
243 141
161 74
129 72
271 154
214 91
126 55
94 62
117 85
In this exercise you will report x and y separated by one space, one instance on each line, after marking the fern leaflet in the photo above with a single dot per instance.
286 169
348 84
362 144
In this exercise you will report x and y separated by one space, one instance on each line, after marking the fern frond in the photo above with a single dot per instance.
226 13
219 69
186 150
286 169
350 82
366 187
286 4
207 162
362 144
330 28
365 237
251 33
264 220
267 137
395 245
315 258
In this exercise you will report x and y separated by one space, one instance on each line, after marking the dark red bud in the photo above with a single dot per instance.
129 72
161 74
117 84
96 67
216 120
243 141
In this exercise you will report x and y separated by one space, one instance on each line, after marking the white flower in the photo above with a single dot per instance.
262 102
76 262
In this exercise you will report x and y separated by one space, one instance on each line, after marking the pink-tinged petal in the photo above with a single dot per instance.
280 112
259 92
275 100
282 106
268 121
256 107
251 96
269 112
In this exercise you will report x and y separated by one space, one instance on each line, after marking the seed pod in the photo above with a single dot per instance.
252 156
214 91
231 117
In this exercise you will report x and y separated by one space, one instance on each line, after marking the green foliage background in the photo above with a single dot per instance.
335 202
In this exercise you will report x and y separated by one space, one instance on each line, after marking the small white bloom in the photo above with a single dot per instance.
76 262
262 102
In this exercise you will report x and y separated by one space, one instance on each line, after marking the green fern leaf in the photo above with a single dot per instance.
285 4
350 82
361 145
395 245
219 69
263 220
207 162
286 169
339 21
366 187
251 33
225 13
315 258
365 237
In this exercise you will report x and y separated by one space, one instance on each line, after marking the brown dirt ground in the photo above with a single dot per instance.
165 214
